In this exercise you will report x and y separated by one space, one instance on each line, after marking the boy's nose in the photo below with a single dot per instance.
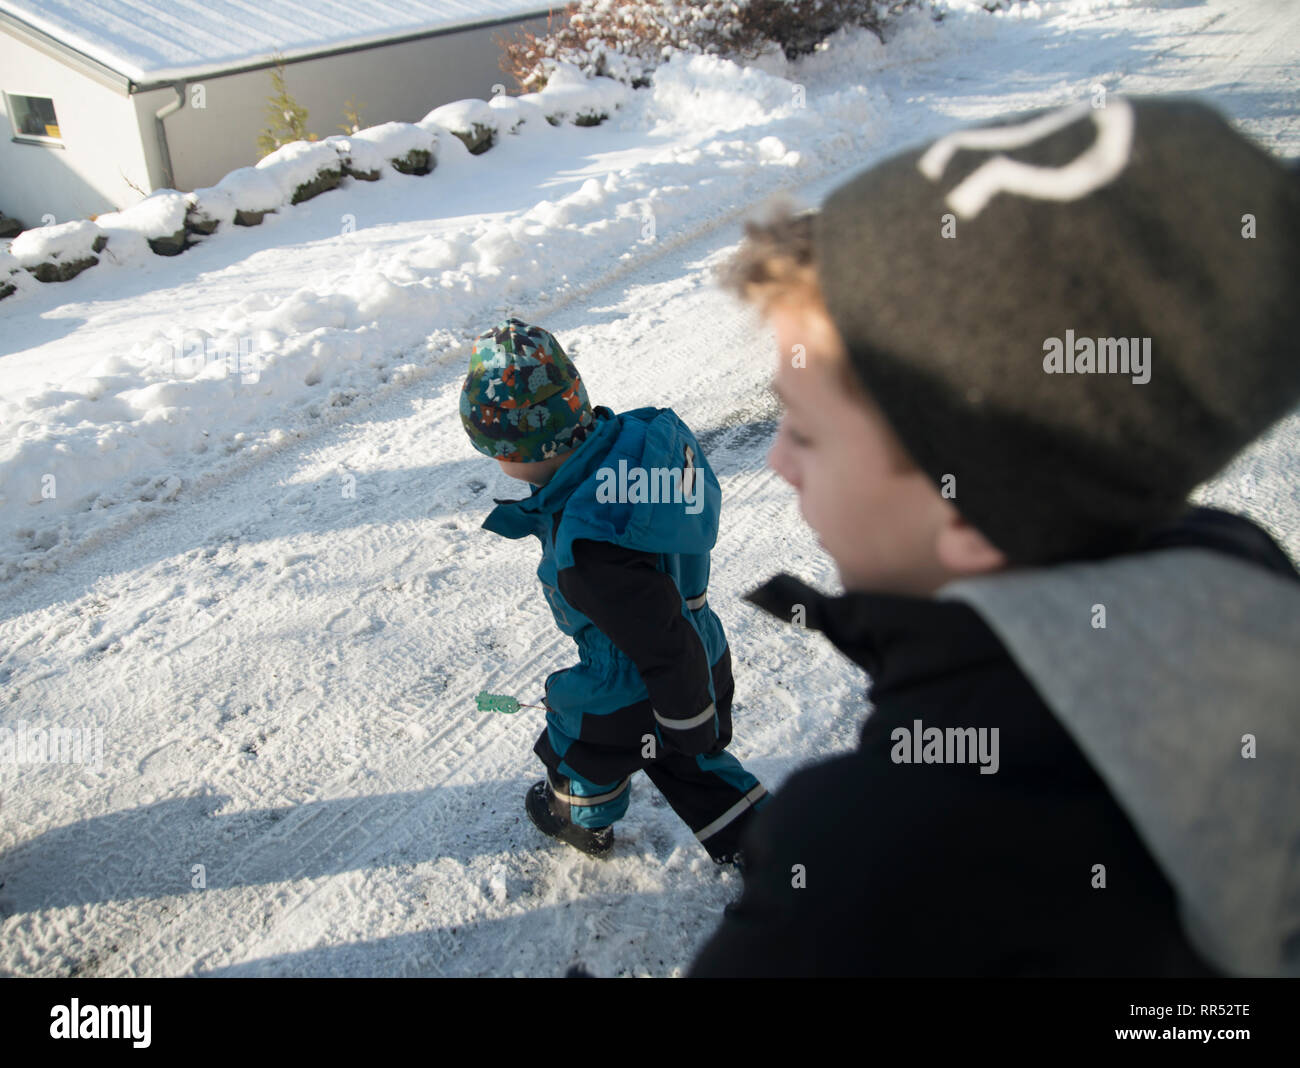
777 461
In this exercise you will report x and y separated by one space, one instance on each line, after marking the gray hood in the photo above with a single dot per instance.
1198 650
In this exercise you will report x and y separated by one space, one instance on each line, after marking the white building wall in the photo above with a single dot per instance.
109 140
87 173
390 83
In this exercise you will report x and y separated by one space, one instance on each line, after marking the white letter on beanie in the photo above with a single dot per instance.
1088 171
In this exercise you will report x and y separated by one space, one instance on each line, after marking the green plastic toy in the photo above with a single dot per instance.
497 702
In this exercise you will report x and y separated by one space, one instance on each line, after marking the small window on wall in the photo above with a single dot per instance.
33 116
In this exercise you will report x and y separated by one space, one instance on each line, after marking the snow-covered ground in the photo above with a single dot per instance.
269 594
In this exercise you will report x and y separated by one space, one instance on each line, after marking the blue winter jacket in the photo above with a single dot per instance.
626 525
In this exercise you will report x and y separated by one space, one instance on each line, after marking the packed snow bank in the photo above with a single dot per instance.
301 170
160 215
570 96
67 241
371 149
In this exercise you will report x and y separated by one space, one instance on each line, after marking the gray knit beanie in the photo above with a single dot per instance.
1079 314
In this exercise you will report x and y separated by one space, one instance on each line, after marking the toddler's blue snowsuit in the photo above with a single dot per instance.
625 568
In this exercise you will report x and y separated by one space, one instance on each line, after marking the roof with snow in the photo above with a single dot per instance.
156 40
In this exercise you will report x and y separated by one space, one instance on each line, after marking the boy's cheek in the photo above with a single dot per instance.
818 509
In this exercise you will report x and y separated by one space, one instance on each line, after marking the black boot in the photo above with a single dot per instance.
543 809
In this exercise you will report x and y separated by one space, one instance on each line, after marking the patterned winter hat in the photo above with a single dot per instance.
523 400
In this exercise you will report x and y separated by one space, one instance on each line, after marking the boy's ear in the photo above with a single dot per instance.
963 550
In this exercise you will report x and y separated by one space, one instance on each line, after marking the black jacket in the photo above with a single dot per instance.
867 866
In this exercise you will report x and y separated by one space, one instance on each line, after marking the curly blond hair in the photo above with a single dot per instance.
775 265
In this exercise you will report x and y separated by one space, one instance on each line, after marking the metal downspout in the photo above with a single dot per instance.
178 88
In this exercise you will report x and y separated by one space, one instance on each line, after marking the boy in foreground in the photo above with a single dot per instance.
1025 345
